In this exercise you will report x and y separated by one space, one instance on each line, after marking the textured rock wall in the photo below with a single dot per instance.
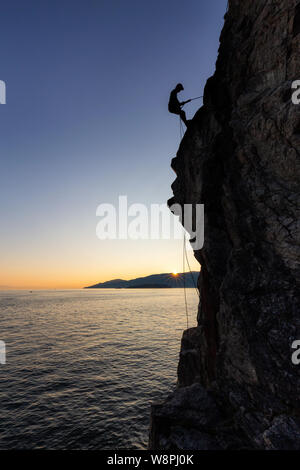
238 387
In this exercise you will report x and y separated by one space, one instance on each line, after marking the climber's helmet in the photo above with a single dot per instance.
179 87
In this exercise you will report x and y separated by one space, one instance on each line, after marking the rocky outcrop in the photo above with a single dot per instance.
237 385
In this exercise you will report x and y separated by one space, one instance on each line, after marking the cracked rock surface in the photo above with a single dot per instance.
237 386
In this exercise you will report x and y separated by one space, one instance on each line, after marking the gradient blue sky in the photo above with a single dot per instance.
86 120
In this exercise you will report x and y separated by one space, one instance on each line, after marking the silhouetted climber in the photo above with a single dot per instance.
175 105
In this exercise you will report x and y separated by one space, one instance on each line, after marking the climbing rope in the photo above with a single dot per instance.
184 251
197 98
181 130
184 288
187 260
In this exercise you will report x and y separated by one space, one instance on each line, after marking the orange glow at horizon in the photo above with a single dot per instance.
76 265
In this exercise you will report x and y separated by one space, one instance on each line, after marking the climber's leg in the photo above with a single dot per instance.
183 117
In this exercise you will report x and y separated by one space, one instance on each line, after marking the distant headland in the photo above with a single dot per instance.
154 281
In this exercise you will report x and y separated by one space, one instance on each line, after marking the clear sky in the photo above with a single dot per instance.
86 120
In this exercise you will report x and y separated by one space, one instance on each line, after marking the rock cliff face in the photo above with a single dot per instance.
237 385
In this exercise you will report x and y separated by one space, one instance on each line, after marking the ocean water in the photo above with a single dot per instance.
83 366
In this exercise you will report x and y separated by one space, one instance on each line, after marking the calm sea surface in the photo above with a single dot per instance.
83 366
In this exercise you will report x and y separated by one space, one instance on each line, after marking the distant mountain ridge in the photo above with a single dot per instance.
154 281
